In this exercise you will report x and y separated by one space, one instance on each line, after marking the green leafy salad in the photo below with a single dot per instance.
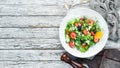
82 33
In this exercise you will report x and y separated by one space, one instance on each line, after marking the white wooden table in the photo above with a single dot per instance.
29 33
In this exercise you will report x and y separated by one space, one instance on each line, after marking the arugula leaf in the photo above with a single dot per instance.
91 43
80 48
77 41
87 47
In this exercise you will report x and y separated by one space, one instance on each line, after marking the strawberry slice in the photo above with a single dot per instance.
92 33
76 23
91 21
82 19
96 39
85 32
73 35
71 44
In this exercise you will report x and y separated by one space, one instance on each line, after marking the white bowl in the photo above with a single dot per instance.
77 13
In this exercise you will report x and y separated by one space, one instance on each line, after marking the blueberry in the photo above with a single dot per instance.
82 41
79 28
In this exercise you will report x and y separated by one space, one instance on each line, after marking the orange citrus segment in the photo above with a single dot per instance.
99 34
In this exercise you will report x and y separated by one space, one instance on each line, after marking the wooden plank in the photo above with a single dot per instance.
19 9
53 64
50 33
24 44
110 64
31 33
93 63
30 55
33 64
30 21
41 2
31 10
114 55
41 44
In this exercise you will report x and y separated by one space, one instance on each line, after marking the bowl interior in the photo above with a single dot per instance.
77 13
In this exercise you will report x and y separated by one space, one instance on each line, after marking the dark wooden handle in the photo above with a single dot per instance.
74 64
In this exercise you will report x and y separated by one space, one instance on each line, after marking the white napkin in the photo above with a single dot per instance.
108 9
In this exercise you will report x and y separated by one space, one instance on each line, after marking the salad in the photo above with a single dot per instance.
82 33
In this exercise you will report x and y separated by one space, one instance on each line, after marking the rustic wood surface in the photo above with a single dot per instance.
29 35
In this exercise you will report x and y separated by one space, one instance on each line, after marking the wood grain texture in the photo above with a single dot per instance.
33 64
31 33
31 21
31 10
110 64
49 33
113 54
41 2
53 64
30 55
29 44
41 44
